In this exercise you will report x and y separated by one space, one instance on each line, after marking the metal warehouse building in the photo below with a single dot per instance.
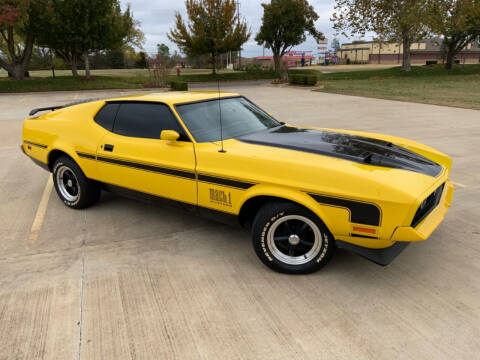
375 52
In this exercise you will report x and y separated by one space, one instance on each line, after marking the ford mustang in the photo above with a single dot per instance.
303 191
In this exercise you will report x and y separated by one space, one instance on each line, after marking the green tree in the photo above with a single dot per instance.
80 27
401 21
115 59
458 21
163 50
18 27
213 28
41 59
285 24
141 61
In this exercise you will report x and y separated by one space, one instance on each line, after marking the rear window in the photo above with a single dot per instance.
106 116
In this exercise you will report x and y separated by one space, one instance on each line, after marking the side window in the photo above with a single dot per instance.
145 120
106 116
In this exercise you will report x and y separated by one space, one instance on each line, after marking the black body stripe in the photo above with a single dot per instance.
168 171
86 156
35 144
147 167
224 182
360 212
363 236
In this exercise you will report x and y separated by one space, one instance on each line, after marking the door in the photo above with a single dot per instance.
132 156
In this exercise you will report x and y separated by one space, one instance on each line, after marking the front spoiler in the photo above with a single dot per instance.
378 256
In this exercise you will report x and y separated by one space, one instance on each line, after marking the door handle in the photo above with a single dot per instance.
108 147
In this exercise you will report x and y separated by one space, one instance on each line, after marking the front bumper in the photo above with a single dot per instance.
426 227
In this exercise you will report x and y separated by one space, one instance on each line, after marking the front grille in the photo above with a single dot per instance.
427 205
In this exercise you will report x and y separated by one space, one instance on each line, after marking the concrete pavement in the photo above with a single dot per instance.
127 280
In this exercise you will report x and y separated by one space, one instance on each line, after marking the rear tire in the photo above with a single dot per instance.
291 239
72 186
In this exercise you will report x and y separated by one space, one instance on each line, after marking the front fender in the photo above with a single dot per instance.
336 219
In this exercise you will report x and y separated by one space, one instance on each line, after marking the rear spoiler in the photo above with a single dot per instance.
34 111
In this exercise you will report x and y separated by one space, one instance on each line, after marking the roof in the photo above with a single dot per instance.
364 42
176 97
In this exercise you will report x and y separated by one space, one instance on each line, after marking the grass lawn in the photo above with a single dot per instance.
118 79
63 83
459 87
115 72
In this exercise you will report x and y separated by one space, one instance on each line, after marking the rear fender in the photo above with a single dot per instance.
70 151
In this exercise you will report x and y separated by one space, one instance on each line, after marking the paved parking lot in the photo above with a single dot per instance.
126 280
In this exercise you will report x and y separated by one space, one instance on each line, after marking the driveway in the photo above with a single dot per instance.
126 280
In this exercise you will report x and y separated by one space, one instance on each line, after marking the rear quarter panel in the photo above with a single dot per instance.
70 130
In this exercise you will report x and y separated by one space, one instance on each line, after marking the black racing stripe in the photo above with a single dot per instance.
147 167
86 156
35 144
360 212
224 182
359 149
363 236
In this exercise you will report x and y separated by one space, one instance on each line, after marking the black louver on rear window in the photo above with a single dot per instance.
427 205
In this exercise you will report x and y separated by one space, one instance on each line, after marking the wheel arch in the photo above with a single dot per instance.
57 152
257 198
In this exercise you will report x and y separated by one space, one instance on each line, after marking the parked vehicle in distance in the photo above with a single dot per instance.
304 191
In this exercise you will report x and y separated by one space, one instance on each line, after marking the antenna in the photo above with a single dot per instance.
222 150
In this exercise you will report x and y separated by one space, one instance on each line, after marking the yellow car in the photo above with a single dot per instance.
304 191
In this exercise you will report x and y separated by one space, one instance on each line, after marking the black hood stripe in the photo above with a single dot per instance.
360 212
363 150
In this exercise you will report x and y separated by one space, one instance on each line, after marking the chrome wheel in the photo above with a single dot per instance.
67 183
294 239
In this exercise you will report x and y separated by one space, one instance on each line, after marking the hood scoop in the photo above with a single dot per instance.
344 146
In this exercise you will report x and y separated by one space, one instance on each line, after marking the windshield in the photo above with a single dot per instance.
239 117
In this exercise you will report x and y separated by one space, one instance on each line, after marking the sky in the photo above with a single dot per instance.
157 18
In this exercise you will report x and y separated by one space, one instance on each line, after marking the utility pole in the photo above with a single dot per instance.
240 49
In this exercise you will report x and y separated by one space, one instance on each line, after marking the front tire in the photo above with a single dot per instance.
291 239
72 186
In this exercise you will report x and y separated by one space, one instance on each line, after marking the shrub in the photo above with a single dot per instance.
431 62
293 78
252 67
311 79
179 85
302 79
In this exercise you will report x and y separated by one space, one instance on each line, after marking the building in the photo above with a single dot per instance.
374 52
292 58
